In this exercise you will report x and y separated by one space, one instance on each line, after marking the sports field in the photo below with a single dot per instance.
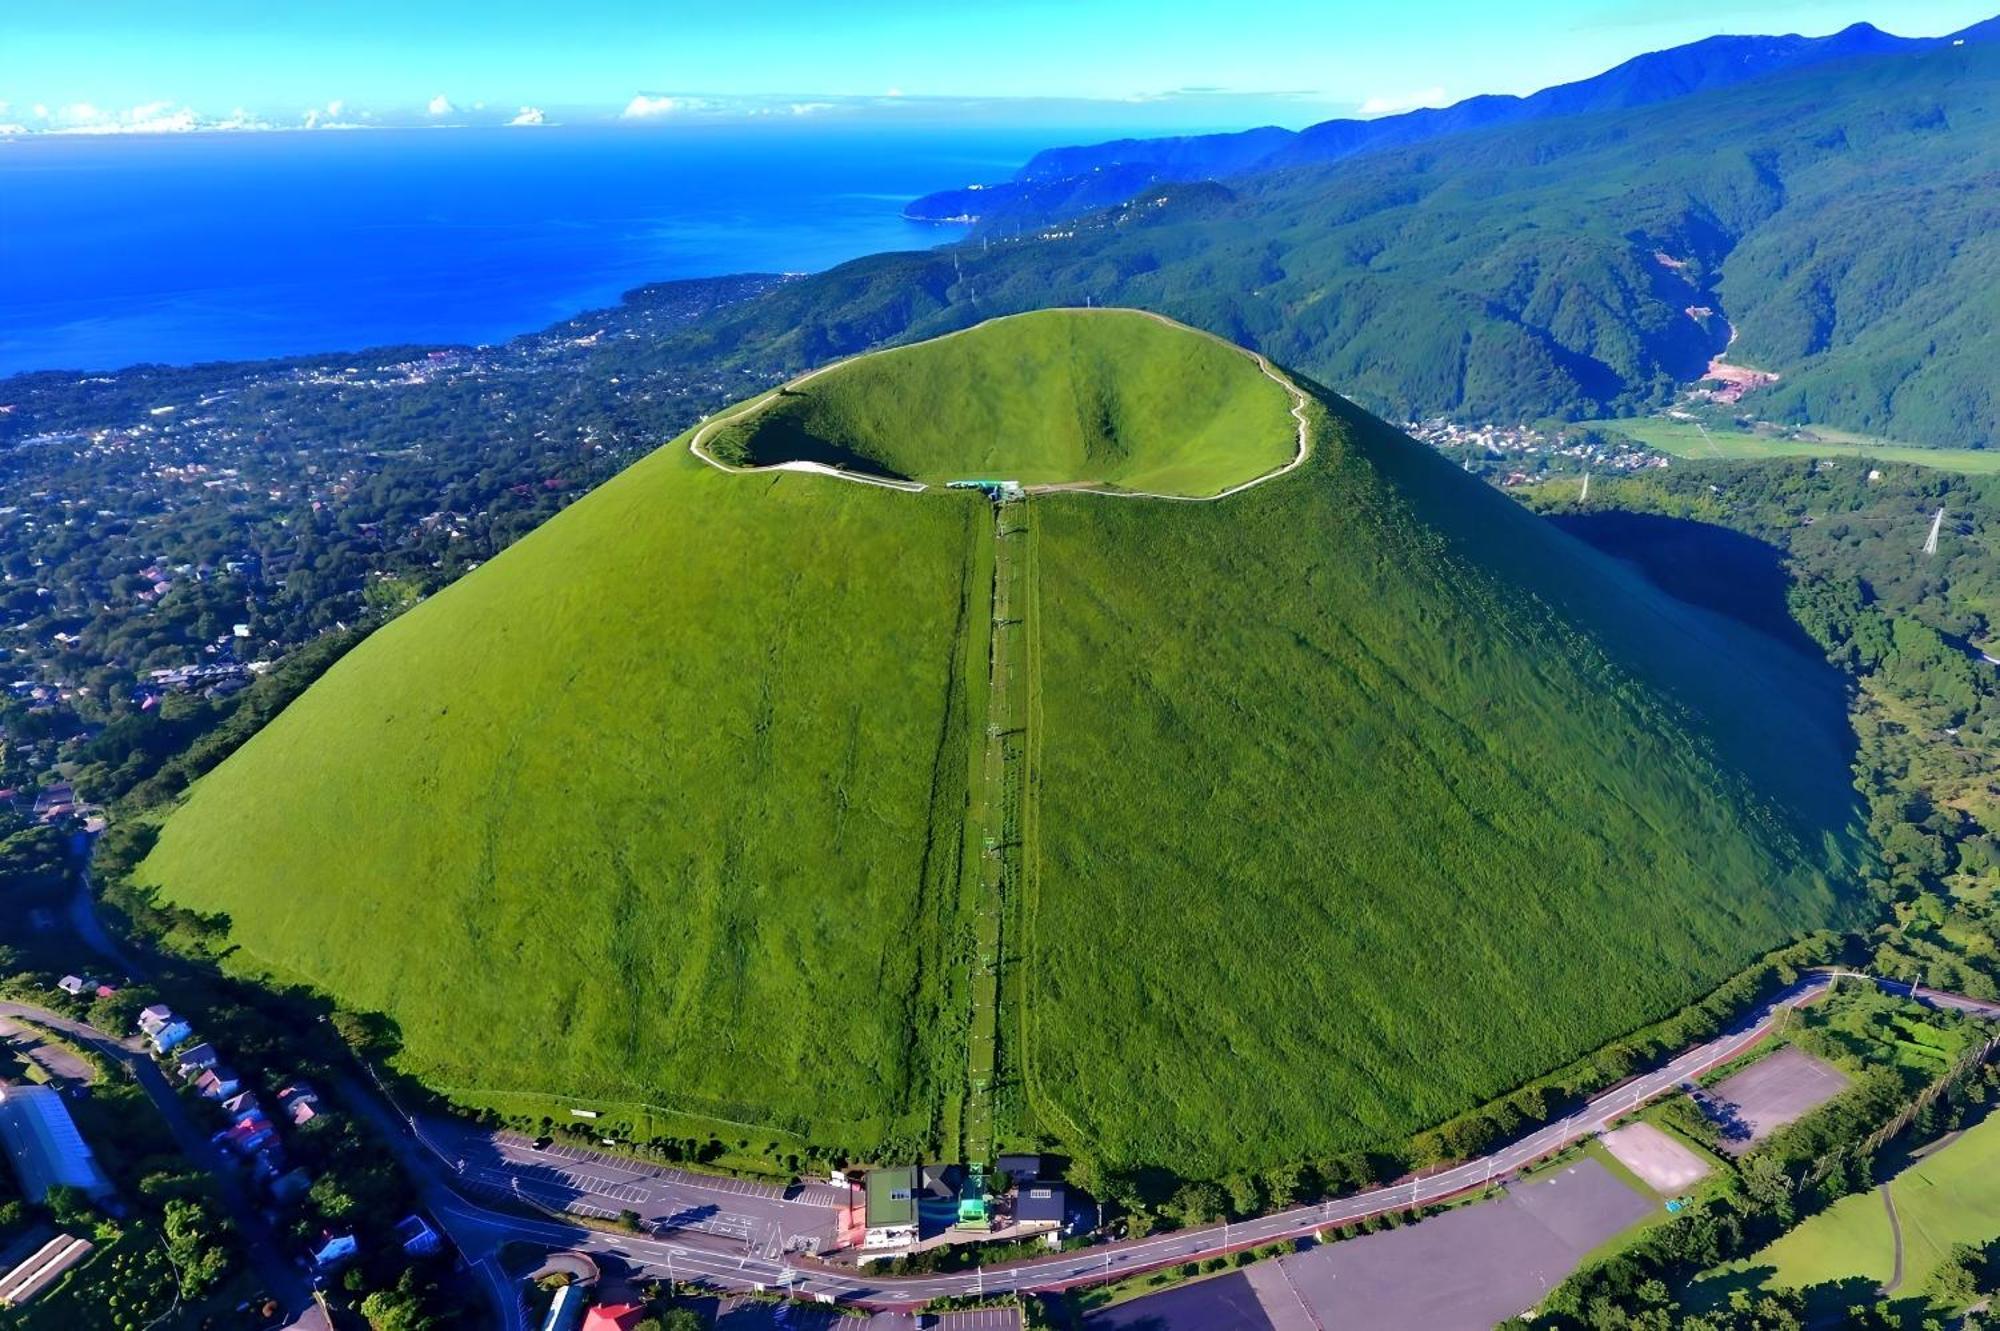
1685 439
1948 1197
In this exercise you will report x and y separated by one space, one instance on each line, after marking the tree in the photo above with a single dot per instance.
398 1309
70 1207
1197 1203
1956 1281
197 1241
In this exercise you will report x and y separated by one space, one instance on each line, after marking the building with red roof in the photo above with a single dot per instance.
613 1317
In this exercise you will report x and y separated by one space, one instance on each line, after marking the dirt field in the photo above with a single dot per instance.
1768 1094
1665 1165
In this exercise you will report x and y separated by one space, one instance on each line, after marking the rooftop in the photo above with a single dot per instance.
892 1196
43 1144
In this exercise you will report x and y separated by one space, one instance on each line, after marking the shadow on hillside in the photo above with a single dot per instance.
1712 567
780 434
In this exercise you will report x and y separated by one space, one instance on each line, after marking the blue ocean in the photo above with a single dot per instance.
187 248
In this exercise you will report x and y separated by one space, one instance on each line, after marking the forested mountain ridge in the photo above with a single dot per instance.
1060 182
1839 220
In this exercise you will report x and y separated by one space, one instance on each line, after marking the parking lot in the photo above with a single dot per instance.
1777 1089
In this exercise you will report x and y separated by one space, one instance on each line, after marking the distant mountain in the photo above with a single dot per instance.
1061 182
1839 220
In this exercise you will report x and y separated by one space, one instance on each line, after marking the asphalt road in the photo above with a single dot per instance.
722 1259
744 1232
282 1280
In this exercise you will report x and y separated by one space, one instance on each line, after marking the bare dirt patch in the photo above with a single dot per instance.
1662 1164
1768 1094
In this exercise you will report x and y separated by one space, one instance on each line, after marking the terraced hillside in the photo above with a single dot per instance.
1308 816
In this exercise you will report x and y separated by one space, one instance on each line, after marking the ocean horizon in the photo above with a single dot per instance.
240 246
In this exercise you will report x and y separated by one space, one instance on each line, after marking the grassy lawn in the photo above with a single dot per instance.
1368 785
1684 439
1323 826
1108 398
664 804
1950 1196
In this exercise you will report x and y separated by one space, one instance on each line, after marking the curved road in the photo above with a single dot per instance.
480 1231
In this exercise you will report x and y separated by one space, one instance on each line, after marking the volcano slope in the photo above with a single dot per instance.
1350 798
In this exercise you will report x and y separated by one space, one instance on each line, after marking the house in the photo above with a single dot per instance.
614 1317
1040 1207
73 984
44 1146
198 1059
154 1018
336 1252
171 1036
42 1268
940 1183
217 1083
417 1237
240 1103
300 1102
890 1207
566 1312
106 990
248 1137
289 1187
1019 1168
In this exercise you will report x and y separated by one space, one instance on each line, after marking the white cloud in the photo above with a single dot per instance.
441 105
893 92
529 115
812 108
41 111
335 107
311 118
146 118
645 107
8 130
1410 101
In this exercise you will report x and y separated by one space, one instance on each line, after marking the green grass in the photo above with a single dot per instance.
1108 398
1348 785
1343 804
1949 1197
663 804
1683 439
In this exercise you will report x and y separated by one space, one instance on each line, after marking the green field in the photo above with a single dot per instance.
1323 811
1949 1197
1058 397
663 804
1346 785
1684 439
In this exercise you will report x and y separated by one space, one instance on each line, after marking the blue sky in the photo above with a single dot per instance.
1155 63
